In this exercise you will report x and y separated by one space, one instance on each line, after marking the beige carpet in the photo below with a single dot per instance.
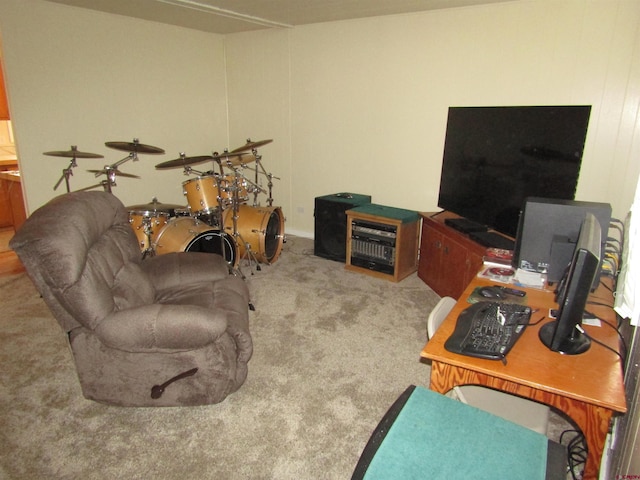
333 349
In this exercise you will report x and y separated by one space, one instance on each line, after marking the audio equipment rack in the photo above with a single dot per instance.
382 241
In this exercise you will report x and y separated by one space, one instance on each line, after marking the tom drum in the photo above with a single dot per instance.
205 194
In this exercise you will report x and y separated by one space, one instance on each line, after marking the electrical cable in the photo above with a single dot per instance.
576 452
582 331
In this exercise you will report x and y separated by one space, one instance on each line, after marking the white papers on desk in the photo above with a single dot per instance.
523 278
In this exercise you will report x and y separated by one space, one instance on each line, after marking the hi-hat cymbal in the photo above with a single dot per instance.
73 153
134 147
251 146
156 206
184 161
116 172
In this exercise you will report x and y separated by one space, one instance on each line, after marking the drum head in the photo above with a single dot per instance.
212 241
272 236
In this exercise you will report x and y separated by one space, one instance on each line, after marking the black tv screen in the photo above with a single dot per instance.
495 157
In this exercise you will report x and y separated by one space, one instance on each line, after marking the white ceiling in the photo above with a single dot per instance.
231 16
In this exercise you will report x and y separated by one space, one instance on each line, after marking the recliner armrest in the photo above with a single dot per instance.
184 268
162 327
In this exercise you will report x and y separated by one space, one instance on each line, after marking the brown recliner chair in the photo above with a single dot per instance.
169 330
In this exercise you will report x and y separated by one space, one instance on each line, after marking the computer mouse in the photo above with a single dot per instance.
490 292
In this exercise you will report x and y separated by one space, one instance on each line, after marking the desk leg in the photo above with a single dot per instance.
592 420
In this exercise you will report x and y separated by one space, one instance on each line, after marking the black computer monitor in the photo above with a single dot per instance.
564 335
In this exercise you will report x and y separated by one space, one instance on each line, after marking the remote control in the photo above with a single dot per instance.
512 291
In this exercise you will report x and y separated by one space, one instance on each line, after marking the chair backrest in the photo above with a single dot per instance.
83 257
438 314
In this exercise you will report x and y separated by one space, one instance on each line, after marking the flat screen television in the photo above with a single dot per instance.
565 334
495 157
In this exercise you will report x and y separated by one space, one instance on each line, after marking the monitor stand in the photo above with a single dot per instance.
464 225
573 345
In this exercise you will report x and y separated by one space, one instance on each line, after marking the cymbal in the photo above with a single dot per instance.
184 161
226 158
73 153
114 171
157 206
134 146
233 159
251 146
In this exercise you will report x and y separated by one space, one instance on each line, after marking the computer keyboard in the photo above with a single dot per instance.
488 329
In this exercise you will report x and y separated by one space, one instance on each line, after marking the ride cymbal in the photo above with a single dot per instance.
184 161
73 153
134 147
252 146
233 159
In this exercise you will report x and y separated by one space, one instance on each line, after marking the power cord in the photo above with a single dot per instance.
576 453
622 355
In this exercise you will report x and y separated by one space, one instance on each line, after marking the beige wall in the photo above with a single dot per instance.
368 99
77 77
354 106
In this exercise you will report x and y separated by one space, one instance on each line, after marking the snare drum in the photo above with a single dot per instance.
143 221
262 228
150 218
186 234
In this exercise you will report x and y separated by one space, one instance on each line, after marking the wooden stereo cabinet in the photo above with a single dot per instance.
382 241
449 260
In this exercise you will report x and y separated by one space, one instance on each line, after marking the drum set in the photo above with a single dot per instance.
217 218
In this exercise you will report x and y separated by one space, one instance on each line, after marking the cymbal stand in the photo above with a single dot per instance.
66 173
104 184
111 178
269 176
232 269
235 202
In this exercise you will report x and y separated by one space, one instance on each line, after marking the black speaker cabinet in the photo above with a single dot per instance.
330 237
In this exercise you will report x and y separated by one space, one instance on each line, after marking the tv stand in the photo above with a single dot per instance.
492 239
449 259
465 225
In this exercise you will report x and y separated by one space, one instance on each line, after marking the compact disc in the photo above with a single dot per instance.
501 272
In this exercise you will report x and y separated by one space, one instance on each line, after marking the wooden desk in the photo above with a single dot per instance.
588 388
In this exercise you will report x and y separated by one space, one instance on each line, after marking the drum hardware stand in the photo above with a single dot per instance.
269 176
223 251
150 251
66 173
248 254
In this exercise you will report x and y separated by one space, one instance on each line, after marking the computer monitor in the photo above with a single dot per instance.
564 335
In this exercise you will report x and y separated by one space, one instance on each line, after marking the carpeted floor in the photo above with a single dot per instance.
333 349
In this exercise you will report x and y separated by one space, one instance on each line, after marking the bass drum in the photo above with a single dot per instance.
186 234
262 228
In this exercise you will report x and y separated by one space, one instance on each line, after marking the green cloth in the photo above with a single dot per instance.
405 216
435 437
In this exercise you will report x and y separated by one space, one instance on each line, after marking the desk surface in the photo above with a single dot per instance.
594 377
